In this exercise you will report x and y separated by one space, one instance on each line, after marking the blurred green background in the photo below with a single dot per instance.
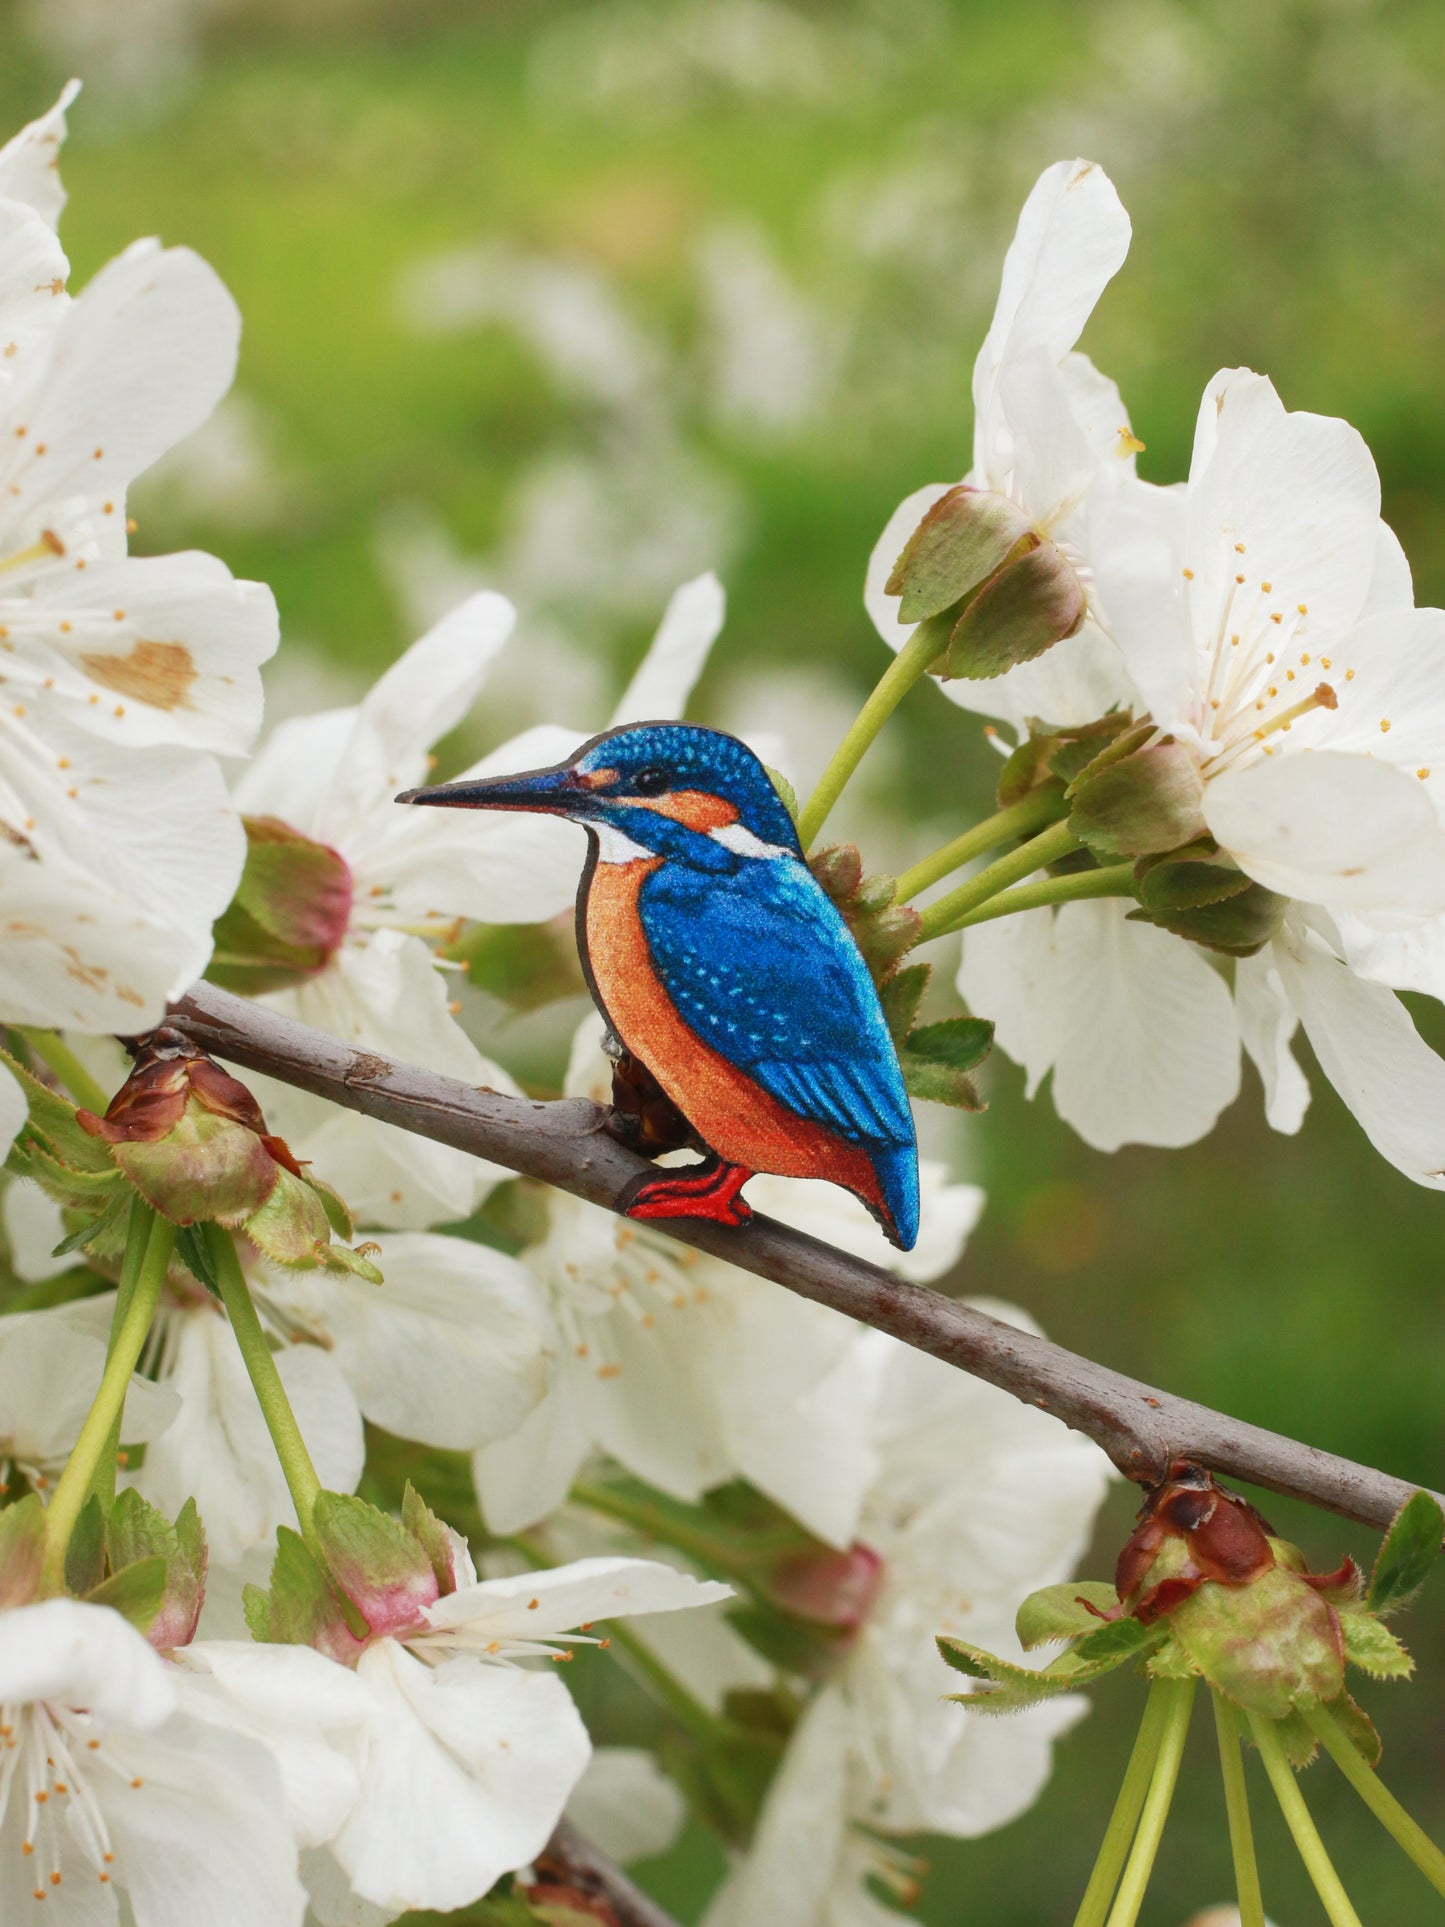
577 301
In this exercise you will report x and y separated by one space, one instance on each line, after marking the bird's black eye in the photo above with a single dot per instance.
650 782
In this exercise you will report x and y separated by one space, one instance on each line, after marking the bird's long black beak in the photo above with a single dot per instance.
559 792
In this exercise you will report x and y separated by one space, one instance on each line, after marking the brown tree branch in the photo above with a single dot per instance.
564 1144
572 1862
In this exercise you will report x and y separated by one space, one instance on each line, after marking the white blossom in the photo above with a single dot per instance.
1050 432
109 1788
467 1757
50 1368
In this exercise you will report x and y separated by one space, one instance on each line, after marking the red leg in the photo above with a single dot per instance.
701 1191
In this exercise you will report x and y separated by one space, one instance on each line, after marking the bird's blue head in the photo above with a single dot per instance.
660 785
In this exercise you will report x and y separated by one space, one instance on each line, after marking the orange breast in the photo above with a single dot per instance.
738 1119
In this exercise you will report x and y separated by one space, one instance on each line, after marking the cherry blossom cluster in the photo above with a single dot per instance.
323 1455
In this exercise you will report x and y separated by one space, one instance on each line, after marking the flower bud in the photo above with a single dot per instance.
289 914
191 1139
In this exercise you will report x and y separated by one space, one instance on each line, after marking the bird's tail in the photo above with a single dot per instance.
896 1167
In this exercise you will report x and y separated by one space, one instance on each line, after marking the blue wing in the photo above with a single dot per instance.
760 964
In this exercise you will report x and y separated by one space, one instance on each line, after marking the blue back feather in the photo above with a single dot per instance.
760 965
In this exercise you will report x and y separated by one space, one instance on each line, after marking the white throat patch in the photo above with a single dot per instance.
614 847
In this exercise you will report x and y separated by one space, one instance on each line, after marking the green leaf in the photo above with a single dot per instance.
256 1605
964 537
1406 1554
1028 606
901 996
136 1530
1370 1645
53 1117
85 1554
79 1190
936 1060
1055 1612
1108 1646
1297 1738
1239 926
117 1208
301 1608
137 1592
1359 1728
1145 803
1017 1686
787 795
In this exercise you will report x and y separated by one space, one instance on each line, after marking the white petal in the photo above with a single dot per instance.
537 1605
30 160
1328 826
1071 240
465 1774
423 695
453 1350
201 1829
1267 1022
626 1805
1148 1047
1136 536
138 361
949 1213
524 1478
174 643
81 1655
300 1706
1301 493
31 263
1372 1054
1010 974
333 1903
665 678
1407 954
1398 665
291 774
1391 584
1051 460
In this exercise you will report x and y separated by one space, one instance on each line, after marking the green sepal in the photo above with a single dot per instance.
290 910
1170 1661
1013 1687
291 1226
1055 1612
1296 1737
137 1592
937 1058
66 1184
1029 604
99 1229
1370 1645
431 1534
1084 756
1266 1645
901 997
1056 753
22 1551
190 1248
511 1910
1359 1728
372 1557
301 1607
1407 1552
966 535
206 1168
52 1117
787 795
1240 926
338 1211
1188 878
526 965
85 1552
1142 805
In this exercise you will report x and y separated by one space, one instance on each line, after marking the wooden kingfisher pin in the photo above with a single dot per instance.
723 967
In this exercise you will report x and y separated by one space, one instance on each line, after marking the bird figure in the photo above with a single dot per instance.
721 964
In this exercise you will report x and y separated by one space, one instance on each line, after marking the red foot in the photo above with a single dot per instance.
702 1191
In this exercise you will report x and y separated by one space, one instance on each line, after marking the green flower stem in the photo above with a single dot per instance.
128 1335
260 1361
1236 1805
1125 1817
1116 880
1039 808
1405 1832
141 1227
1318 1866
1047 847
910 665
1178 1705
52 1050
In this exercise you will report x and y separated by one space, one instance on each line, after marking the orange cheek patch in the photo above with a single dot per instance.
695 810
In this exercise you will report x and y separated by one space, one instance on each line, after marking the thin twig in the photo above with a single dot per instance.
564 1144
591 1872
